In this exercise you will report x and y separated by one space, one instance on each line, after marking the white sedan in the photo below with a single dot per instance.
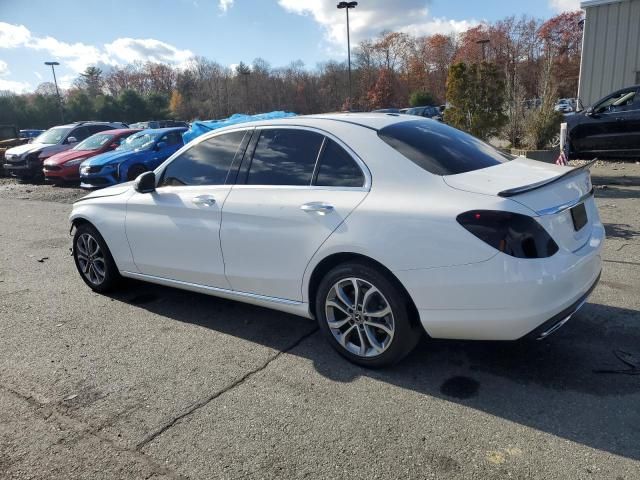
380 226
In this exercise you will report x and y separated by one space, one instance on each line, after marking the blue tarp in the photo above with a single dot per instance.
201 127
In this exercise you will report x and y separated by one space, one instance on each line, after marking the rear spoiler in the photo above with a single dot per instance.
534 186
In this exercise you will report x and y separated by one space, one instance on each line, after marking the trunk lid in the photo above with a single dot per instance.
550 191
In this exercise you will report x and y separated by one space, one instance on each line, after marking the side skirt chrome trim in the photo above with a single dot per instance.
283 304
263 298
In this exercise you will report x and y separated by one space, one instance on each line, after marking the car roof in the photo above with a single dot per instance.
371 120
164 130
120 131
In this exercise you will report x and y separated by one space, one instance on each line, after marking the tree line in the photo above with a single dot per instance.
489 74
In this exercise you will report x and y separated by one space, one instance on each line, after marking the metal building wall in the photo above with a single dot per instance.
611 48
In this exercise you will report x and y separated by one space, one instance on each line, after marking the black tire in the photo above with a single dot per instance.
111 277
406 333
135 171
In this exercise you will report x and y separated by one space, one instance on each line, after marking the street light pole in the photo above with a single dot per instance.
55 81
347 6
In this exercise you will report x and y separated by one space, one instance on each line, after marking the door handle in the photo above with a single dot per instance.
204 200
319 207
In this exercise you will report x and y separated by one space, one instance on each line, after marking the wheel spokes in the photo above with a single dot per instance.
380 326
359 317
343 297
90 260
336 305
371 338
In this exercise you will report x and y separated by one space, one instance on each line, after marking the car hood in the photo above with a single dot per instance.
113 157
28 148
64 157
109 191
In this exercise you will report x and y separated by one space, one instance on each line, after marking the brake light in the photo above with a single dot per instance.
517 235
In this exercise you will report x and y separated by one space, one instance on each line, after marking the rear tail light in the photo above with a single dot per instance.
517 235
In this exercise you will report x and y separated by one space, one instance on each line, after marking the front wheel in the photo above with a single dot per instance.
365 316
93 259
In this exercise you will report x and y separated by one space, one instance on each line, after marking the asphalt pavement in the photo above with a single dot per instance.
152 382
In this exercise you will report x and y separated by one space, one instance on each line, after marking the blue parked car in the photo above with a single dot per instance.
139 153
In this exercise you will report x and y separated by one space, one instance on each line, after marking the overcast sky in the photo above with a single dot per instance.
116 32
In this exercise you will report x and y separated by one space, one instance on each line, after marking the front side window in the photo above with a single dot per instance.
206 163
138 141
618 101
439 148
53 135
284 157
337 168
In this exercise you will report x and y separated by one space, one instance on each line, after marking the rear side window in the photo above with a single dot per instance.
98 128
206 163
80 133
172 138
337 168
284 157
439 148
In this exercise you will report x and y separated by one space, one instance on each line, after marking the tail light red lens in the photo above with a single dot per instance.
517 235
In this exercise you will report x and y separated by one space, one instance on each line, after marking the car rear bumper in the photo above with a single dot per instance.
504 298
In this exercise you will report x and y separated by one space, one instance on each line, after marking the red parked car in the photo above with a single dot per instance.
65 166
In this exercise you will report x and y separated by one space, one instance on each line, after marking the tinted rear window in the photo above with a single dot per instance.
440 149
337 168
284 157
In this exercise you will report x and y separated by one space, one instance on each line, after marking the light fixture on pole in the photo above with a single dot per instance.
55 81
347 6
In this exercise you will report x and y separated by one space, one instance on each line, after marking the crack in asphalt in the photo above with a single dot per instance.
621 261
46 411
198 405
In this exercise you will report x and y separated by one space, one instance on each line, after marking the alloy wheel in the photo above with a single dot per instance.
359 317
90 258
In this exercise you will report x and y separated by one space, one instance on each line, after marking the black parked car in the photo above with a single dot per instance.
426 111
609 128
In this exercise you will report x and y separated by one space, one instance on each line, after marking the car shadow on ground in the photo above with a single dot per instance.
554 386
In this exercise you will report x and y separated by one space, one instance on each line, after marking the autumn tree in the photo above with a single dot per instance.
381 95
562 35
476 96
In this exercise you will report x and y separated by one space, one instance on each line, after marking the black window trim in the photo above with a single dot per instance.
248 158
235 164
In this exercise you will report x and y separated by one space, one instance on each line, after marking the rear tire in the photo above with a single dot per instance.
365 316
93 259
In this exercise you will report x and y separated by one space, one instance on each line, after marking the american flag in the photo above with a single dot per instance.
562 159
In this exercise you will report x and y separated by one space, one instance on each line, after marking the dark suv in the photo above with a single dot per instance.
426 111
609 128
25 161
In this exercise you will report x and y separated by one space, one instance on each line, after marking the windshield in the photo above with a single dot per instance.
94 142
53 135
439 148
139 141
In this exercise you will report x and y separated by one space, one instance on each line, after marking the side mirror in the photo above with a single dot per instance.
161 145
145 183
589 111
72 140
